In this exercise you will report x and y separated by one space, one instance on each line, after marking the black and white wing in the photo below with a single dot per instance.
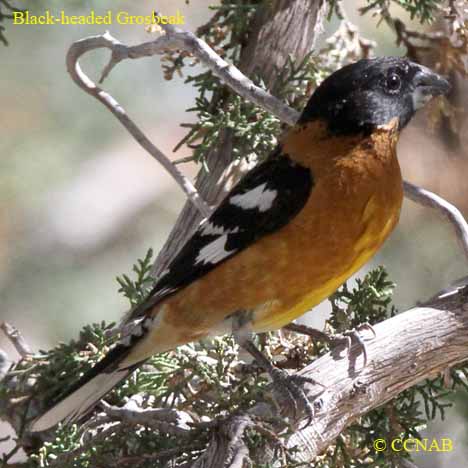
266 199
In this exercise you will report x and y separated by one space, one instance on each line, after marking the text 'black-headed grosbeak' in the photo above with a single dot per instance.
288 234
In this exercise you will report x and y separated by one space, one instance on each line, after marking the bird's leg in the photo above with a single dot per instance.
341 339
289 387
309 331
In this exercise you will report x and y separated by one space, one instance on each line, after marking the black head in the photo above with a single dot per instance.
370 93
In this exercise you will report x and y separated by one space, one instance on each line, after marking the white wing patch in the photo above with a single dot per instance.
260 198
210 229
214 252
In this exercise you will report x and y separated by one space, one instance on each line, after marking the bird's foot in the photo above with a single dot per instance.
289 390
346 339
336 341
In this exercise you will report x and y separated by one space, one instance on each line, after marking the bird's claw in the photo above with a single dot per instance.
291 390
347 338
343 339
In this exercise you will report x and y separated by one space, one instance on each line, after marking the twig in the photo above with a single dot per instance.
451 213
9 7
17 339
83 46
167 419
176 38
10 454
187 159
357 43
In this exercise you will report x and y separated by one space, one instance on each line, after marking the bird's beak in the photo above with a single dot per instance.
427 84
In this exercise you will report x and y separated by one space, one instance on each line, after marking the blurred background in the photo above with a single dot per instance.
80 201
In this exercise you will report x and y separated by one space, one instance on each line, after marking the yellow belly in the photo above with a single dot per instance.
375 231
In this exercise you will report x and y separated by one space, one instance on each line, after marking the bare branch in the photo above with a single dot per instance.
231 75
402 354
77 49
451 213
17 339
176 38
227 448
168 420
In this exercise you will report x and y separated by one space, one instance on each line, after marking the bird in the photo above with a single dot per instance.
286 236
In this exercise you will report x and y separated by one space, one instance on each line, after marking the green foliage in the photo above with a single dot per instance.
67 440
297 79
52 370
206 380
373 294
253 130
422 10
136 291
218 110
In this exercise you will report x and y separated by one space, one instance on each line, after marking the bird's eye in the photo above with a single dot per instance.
393 82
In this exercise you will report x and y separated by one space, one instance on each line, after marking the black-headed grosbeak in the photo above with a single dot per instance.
288 234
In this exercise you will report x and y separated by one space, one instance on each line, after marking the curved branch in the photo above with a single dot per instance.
77 49
177 38
450 212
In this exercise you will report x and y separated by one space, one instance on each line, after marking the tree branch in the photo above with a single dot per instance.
227 447
79 48
443 207
403 353
17 339
176 38
167 420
